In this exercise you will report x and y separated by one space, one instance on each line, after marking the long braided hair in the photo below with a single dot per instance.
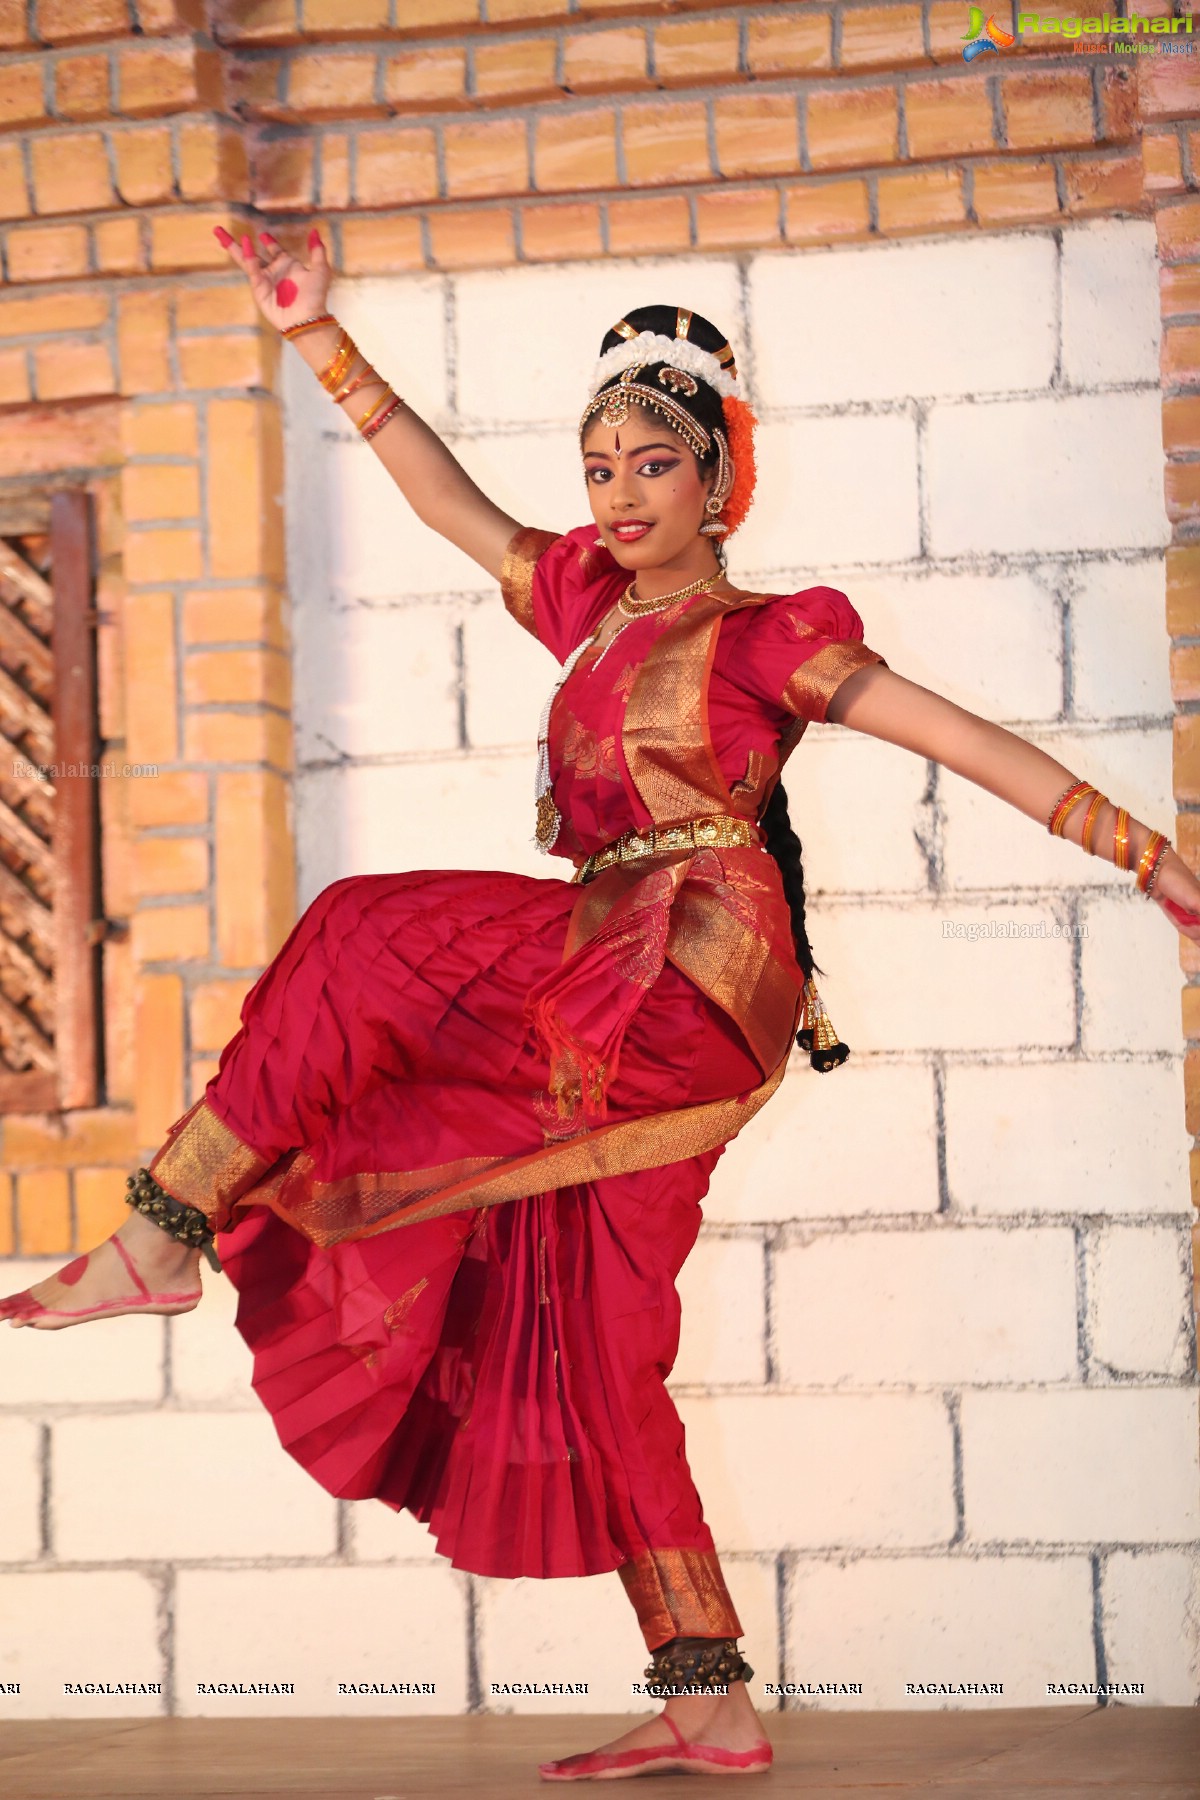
736 420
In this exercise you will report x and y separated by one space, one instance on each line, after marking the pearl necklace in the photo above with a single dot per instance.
549 819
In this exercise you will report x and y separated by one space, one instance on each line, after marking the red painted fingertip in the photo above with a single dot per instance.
268 239
314 238
1180 913
222 236
247 244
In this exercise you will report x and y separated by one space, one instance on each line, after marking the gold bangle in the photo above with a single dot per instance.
291 331
371 411
1156 848
331 376
379 423
1063 805
1121 839
1089 823
364 378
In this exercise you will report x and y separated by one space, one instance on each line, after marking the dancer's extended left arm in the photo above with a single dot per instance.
877 701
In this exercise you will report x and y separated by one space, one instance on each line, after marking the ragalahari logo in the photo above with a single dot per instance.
994 37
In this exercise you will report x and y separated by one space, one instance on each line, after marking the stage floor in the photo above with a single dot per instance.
1130 1753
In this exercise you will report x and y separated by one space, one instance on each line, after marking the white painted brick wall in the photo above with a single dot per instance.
937 1362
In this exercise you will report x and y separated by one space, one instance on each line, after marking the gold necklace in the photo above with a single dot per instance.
633 607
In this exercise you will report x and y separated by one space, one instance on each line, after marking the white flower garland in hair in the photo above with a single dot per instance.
654 347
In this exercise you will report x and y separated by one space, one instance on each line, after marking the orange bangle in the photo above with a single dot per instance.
1156 848
1089 824
1063 805
370 413
1121 839
363 379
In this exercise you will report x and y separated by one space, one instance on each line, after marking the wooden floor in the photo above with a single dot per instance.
1127 1752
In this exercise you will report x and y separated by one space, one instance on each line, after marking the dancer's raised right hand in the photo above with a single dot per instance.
285 290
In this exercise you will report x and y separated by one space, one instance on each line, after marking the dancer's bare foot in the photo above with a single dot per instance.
726 1723
102 1284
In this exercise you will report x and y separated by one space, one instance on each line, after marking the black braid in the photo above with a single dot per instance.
785 847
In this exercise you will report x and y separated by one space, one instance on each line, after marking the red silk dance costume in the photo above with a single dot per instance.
429 1044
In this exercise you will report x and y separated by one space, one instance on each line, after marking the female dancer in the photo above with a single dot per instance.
431 1044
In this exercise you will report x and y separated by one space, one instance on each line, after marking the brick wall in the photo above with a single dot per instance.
789 162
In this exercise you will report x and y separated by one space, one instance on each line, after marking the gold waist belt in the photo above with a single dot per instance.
721 830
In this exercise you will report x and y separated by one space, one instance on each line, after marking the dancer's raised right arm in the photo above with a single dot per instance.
430 477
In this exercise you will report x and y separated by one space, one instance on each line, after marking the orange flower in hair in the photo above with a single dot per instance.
740 421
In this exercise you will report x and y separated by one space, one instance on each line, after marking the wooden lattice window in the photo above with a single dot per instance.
50 929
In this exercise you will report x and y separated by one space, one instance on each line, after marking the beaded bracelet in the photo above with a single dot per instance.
379 423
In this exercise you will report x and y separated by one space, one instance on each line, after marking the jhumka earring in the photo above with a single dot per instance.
722 488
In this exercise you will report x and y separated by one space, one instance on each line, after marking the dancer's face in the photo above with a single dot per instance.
647 492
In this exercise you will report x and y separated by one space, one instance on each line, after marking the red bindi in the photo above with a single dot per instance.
285 293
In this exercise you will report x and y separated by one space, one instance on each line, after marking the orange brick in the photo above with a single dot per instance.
826 212
14 25
1183 590
53 312
380 246
161 431
70 172
59 437
1162 163
666 141
396 167
345 18
229 360
43 1211
1047 109
796 44
167 78
8 1194
120 248
427 76
1186 770
918 200
1180 360
948 118
144 342
737 218
558 233
282 172
67 371
245 514
335 171
1120 120
521 12
1103 184
657 223
159 1051
881 37
255 867
22 95
1178 231
600 61
100 1207
757 134
14 378
946 22
692 51
1185 686
81 87
150 676
431 15
322 85
224 303
237 678
160 491
167 555
851 126
478 239
172 797
223 737
254 86
212 161
522 69
171 934
1014 192
170 865
257 21
1167 85
69 21
171 16
14 194
62 1140
185 240
143 162
247 615
487 156
216 1012
1179 289
575 150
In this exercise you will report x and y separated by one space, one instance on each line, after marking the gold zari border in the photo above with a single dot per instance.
517 571
679 1593
205 1164
811 687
